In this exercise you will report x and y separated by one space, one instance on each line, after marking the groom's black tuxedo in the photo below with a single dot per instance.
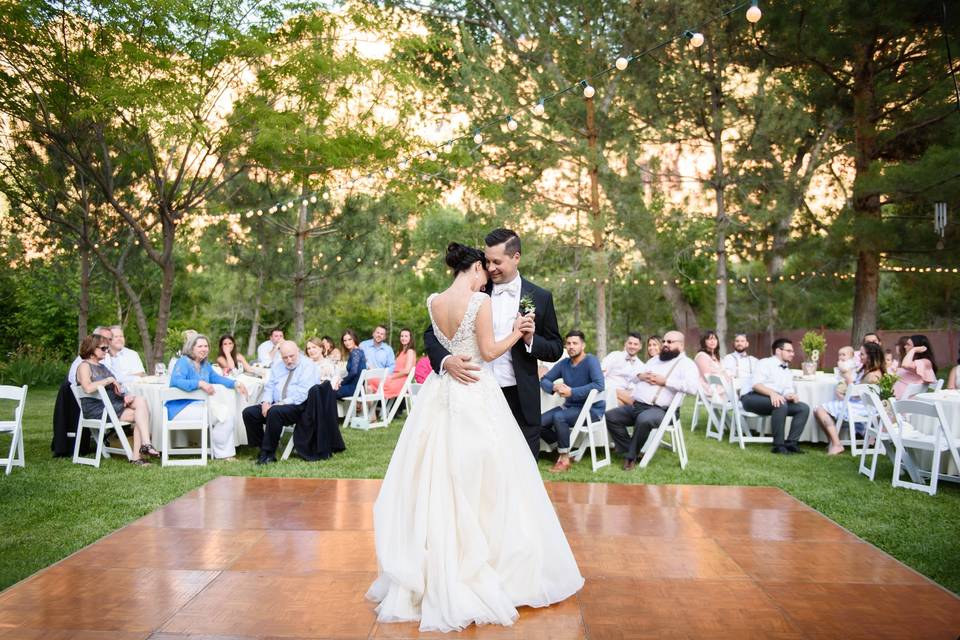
547 345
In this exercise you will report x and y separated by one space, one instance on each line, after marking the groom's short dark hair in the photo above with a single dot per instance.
501 236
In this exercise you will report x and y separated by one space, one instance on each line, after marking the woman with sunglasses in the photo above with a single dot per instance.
93 374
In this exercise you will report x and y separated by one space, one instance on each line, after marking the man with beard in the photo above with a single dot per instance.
660 379
740 364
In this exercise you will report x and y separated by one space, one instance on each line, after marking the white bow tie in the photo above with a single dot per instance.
513 288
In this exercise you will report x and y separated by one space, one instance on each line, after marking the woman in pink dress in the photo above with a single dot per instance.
406 359
708 362
918 365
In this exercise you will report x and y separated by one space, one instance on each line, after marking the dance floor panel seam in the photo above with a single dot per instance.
270 558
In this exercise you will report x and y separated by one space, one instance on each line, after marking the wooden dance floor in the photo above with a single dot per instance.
284 558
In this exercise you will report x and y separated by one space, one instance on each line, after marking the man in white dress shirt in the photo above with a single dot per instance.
268 353
774 394
99 331
660 379
740 364
620 368
125 363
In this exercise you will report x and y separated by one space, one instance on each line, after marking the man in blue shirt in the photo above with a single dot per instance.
581 373
284 398
378 353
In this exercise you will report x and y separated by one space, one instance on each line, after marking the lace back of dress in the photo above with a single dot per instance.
464 339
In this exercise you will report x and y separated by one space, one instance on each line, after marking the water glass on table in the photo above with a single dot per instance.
160 370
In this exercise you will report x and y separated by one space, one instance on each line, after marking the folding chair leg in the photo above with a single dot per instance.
288 449
13 453
696 414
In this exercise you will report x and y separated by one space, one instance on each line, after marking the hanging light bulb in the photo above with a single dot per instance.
477 138
283 207
313 199
259 212
695 38
403 165
588 89
272 209
538 108
511 123
249 214
388 173
431 155
325 195
753 13
305 202
448 148
621 63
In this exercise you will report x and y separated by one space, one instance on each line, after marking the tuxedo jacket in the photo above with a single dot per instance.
547 346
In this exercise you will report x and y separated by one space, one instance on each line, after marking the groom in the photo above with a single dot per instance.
516 370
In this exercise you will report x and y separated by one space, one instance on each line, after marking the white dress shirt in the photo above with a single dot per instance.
620 370
506 304
682 376
739 365
126 364
263 354
774 374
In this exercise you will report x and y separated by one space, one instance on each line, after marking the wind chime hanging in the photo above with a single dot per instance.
940 221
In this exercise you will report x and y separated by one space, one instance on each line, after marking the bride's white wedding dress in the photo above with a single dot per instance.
465 531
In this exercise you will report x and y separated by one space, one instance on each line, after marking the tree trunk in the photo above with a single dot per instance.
168 270
684 318
598 246
300 273
255 325
83 304
866 200
719 184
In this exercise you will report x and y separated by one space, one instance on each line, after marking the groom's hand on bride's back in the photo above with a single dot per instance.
462 369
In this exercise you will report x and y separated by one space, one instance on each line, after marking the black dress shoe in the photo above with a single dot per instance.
266 460
779 449
629 464
792 448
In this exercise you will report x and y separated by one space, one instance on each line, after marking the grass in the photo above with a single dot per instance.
52 507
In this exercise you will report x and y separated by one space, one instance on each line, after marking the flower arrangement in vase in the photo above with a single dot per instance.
813 345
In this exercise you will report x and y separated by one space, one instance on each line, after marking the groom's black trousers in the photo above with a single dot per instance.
530 431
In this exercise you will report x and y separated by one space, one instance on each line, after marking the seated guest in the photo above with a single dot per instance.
871 355
405 361
328 369
952 380
918 365
124 363
580 373
356 363
847 365
283 396
99 331
378 353
620 368
868 337
193 371
423 370
268 353
900 352
708 363
654 344
91 375
739 364
773 394
661 378
229 359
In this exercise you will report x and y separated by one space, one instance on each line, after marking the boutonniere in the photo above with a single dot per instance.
526 304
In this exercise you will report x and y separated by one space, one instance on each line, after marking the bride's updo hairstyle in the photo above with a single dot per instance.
460 257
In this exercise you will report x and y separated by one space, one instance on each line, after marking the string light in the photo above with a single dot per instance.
588 89
695 38
477 137
539 108
511 123
621 63
753 13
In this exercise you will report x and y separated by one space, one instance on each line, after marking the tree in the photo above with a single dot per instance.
133 101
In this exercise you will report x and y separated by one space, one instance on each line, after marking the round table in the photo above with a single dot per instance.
949 401
815 391
224 402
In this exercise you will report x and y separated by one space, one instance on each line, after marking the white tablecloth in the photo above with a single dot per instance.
950 403
815 391
225 402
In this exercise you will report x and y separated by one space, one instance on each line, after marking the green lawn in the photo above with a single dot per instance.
53 507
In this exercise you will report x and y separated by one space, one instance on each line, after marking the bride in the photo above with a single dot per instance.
465 532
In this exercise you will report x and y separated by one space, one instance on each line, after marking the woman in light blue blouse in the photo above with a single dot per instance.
356 363
193 372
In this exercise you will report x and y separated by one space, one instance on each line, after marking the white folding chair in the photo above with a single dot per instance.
108 420
404 396
713 408
288 429
366 400
878 430
854 391
199 423
14 427
730 407
592 433
669 425
913 389
936 386
937 443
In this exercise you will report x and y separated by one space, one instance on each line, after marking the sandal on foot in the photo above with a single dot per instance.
140 463
148 450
